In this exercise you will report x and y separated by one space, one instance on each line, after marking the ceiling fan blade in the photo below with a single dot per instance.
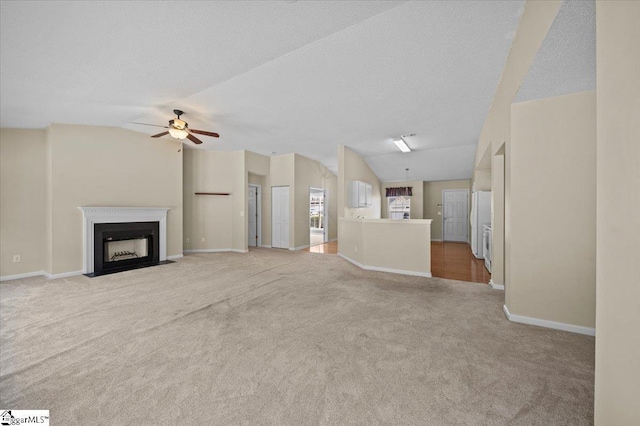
160 134
154 125
202 132
194 139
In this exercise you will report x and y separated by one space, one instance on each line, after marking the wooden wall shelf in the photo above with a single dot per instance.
213 193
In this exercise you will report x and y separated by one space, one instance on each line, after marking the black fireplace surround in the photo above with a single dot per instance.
123 246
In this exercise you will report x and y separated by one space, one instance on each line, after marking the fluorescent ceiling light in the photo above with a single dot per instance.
400 143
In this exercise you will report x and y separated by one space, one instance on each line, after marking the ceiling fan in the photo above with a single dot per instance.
179 129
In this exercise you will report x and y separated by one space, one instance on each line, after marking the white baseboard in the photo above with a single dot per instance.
348 259
215 250
175 256
41 273
299 247
265 246
380 269
436 240
496 286
333 240
25 275
549 324
62 275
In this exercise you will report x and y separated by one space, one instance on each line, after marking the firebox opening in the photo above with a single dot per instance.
123 246
118 250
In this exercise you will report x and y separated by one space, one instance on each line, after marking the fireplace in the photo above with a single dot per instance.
122 246
119 238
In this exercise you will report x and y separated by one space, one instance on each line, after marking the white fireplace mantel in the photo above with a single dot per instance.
92 215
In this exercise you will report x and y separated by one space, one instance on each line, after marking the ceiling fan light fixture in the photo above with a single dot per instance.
179 129
178 133
401 144
178 124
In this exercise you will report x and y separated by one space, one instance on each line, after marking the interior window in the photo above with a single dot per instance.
399 207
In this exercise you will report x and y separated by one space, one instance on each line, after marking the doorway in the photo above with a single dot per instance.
455 217
280 217
317 217
254 215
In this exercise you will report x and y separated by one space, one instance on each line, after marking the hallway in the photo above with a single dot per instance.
456 262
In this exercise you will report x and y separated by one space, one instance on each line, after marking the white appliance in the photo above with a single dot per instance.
480 215
486 246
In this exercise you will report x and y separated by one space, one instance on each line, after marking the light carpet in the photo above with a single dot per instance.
282 338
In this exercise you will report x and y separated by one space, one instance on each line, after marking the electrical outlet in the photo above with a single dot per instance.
16 258
203 239
186 240
356 249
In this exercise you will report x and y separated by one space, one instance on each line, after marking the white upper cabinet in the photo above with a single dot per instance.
360 194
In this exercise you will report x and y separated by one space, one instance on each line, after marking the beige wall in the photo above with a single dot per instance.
497 219
536 20
210 216
22 201
300 173
351 166
309 173
255 179
481 180
617 380
107 166
417 199
387 244
433 202
257 164
239 199
282 173
553 196
222 220
83 166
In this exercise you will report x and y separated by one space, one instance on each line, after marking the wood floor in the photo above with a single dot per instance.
448 260
456 262
326 248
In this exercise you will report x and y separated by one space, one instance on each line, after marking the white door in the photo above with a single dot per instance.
280 216
253 216
455 223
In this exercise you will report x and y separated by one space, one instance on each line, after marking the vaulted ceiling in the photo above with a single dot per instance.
566 61
271 77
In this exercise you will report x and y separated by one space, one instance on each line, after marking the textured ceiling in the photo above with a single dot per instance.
566 61
268 76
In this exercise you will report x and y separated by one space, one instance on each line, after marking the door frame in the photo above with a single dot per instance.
467 215
325 234
258 211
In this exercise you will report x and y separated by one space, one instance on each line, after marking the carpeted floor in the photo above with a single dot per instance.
282 338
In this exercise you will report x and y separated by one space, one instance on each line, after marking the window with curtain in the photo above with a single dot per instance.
399 207
399 202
